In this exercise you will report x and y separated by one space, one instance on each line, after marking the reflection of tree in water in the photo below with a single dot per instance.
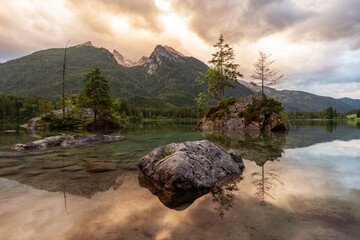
225 197
63 179
264 183
257 147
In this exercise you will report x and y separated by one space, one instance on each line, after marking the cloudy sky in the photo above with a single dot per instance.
316 42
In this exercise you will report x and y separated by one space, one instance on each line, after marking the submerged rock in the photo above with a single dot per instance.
66 141
9 171
100 167
9 163
189 166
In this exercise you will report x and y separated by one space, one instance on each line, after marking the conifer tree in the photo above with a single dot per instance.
96 94
222 73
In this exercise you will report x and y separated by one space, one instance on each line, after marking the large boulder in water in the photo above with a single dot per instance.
191 166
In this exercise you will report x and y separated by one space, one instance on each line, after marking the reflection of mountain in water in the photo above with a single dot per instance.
261 147
304 133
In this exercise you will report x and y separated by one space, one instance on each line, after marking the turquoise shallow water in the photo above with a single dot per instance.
303 184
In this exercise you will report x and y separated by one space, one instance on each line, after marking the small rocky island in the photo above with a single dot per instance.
191 166
62 140
252 113
76 118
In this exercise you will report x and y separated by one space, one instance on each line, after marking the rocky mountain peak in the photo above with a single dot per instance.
127 62
165 52
142 61
122 60
162 53
86 44
172 50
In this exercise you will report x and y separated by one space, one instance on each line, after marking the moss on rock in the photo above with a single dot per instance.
258 108
219 110
252 113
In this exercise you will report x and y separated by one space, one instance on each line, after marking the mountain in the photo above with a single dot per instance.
301 101
127 62
164 79
355 103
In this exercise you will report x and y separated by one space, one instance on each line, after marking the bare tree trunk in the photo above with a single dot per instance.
63 81
263 185
262 78
222 89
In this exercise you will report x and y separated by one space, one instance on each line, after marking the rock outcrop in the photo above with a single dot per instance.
86 44
63 140
103 122
162 54
190 166
252 113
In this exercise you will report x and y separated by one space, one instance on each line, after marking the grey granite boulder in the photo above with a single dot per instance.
191 166
63 140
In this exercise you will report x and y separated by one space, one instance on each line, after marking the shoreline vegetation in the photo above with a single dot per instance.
21 109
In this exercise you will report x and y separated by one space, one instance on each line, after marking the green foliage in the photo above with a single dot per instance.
96 94
260 107
212 77
222 74
358 114
13 108
219 110
128 111
57 122
168 152
328 113
40 74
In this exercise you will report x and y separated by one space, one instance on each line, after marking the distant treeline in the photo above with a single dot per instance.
125 108
328 113
14 108
21 109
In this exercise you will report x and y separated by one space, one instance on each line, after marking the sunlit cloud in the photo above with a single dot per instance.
316 43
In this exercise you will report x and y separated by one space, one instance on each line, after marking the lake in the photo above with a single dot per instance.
304 184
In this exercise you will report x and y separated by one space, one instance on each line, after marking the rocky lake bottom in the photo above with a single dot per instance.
304 184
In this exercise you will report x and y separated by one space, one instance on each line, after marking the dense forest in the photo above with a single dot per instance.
21 109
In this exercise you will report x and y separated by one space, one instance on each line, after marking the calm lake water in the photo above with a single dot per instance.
304 184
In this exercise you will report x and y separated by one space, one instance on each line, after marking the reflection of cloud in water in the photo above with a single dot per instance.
132 212
340 160
338 148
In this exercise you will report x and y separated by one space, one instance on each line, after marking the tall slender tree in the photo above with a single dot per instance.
63 80
263 73
222 72
96 94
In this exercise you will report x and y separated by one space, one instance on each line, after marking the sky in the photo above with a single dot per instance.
316 43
